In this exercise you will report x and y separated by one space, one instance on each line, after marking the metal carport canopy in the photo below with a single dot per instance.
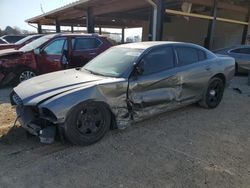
74 14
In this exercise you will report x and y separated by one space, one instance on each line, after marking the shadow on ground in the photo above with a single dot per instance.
4 95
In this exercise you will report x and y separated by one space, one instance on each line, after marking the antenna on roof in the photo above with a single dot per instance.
41 7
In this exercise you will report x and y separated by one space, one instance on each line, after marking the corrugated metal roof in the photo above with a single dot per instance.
70 5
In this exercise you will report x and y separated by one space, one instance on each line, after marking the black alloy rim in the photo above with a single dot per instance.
90 121
214 93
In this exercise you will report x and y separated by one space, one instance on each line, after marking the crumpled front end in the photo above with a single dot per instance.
10 64
38 122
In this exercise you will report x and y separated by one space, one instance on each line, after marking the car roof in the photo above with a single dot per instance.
233 47
74 34
146 45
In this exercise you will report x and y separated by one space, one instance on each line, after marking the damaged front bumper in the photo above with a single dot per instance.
29 119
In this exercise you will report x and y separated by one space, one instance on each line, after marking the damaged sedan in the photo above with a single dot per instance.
49 53
125 84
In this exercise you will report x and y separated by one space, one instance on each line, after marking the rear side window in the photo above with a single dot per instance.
202 55
85 43
158 60
186 55
241 51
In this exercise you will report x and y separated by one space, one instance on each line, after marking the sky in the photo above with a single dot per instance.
15 12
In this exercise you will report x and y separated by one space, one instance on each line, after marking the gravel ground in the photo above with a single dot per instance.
190 147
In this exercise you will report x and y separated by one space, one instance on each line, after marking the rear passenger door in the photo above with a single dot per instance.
194 71
83 50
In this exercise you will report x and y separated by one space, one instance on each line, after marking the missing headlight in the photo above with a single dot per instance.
48 115
15 99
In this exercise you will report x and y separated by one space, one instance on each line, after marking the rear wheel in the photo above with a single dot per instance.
87 123
213 94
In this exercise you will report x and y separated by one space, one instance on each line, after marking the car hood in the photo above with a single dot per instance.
41 88
7 45
9 52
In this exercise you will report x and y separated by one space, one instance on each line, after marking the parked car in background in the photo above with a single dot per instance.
13 38
48 54
126 83
20 43
241 55
2 41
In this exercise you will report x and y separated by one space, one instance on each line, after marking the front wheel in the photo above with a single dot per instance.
87 123
25 74
213 94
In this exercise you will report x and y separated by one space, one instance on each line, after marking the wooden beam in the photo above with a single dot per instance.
175 12
221 5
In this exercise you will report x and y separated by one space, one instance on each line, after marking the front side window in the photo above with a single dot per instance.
55 47
85 43
158 60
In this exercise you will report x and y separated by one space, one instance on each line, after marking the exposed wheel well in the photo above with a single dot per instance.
113 117
23 67
221 76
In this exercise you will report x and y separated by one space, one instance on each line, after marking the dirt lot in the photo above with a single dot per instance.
191 147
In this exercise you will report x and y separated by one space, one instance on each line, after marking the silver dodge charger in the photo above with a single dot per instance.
125 84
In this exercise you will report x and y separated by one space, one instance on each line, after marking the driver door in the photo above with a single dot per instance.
158 85
52 56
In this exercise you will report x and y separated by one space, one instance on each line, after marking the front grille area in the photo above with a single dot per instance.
15 99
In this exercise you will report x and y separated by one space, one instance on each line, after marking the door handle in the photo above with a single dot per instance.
93 53
56 60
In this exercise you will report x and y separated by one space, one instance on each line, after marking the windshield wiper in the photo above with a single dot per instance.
95 73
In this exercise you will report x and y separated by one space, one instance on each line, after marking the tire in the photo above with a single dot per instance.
24 74
213 94
236 69
87 123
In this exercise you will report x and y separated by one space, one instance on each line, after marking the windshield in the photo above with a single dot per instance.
36 43
114 62
23 40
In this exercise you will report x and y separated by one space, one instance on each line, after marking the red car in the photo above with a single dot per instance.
2 41
20 43
50 53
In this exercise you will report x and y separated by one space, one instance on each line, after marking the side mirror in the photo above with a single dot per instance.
139 70
37 51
